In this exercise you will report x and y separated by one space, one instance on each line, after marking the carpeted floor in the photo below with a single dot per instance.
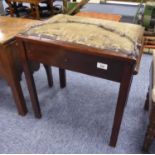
77 119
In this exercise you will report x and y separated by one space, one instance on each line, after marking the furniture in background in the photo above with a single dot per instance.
149 42
104 16
10 66
34 5
150 105
83 58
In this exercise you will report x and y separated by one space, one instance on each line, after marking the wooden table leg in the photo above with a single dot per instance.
32 10
10 8
62 76
121 102
13 80
30 81
49 75
18 95
32 90
50 5
36 6
65 6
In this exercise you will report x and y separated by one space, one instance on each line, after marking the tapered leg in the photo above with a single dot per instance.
33 11
49 75
10 8
32 90
36 6
11 75
62 76
64 6
29 80
50 5
121 102
17 94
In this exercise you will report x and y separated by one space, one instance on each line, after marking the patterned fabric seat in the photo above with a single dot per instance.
103 34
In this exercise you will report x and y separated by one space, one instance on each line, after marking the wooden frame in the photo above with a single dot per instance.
83 59
11 75
34 6
11 70
10 66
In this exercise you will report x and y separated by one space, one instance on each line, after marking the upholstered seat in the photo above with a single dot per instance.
102 34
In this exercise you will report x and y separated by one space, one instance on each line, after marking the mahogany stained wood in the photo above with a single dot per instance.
49 75
10 67
62 75
9 27
9 62
10 73
83 59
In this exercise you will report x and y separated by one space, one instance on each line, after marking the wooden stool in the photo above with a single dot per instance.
80 55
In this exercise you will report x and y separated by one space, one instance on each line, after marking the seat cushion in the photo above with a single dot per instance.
97 33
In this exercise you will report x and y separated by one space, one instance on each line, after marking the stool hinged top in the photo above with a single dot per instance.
101 34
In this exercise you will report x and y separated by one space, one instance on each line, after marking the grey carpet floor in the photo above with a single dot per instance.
76 119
